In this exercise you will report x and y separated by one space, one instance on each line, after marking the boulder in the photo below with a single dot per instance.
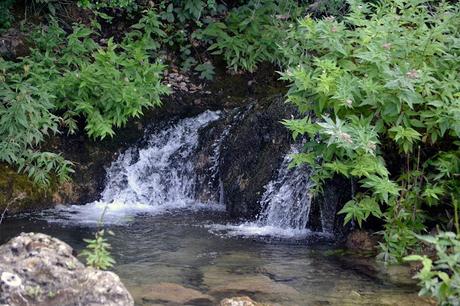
37 269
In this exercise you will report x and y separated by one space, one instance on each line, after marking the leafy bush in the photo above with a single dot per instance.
129 5
441 278
380 91
250 33
67 77
6 18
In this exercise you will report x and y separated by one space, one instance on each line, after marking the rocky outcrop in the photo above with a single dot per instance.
36 269
252 153
249 145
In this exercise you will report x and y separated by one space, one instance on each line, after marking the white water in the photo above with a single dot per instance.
154 179
160 177
285 206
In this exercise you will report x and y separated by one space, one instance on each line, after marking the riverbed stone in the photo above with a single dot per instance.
37 269
221 281
240 301
170 294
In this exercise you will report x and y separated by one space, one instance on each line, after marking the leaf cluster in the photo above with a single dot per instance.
381 87
440 278
69 77
250 33
97 252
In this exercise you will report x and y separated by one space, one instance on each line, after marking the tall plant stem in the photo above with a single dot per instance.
457 224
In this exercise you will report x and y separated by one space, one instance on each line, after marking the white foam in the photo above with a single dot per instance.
255 229
152 180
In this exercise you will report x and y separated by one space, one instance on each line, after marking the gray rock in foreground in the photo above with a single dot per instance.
37 269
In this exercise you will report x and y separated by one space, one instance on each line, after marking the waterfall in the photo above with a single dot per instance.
285 207
154 178
161 175
286 202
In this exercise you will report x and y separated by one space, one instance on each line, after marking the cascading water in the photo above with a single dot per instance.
285 204
160 176
153 179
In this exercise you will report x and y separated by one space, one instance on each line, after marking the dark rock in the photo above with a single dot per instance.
361 241
251 154
36 269
323 214
13 44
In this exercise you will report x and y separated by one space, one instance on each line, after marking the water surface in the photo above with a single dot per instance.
178 247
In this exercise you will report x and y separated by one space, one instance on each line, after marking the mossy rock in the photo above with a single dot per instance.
19 193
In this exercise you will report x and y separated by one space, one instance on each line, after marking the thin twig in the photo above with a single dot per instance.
17 198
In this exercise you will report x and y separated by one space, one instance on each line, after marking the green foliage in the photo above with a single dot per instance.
250 33
129 5
381 87
440 279
70 76
97 252
360 209
206 70
181 21
6 18
182 12
329 7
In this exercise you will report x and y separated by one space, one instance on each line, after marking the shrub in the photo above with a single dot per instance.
380 91
6 18
67 77
250 33
440 279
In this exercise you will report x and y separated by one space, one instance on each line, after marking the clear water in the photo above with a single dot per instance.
164 235
178 248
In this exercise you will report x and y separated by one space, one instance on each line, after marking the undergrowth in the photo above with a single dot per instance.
68 77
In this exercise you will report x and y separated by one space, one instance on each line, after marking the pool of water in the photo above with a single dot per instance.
179 255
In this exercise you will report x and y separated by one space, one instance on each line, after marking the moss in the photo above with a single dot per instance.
14 185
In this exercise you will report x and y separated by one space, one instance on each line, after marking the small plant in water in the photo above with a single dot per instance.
97 251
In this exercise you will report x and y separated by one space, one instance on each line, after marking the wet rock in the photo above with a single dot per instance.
17 192
251 154
361 241
13 44
240 301
37 269
171 294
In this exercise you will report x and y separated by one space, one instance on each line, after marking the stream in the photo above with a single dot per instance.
171 249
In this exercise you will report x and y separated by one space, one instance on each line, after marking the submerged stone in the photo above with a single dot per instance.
240 301
170 293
